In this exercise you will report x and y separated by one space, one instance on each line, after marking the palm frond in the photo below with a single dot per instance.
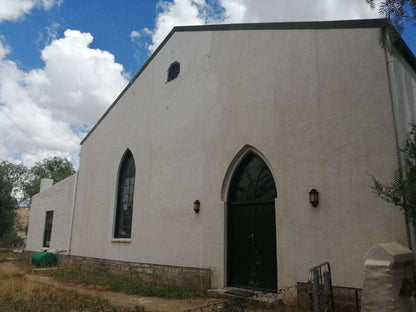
401 191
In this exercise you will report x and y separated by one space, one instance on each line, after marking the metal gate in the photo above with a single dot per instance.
320 282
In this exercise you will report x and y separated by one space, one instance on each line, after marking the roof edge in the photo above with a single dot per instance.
341 24
404 50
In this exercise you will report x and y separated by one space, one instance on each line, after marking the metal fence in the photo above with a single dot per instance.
284 300
295 298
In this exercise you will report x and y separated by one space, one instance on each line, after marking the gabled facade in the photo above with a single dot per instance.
247 119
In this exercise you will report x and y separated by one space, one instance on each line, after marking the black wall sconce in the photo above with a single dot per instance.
197 206
314 197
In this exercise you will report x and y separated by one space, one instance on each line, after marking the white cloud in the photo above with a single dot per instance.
198 12
52 105
12 10
47 4
298 10
140 43
134 34
239 11
84 80
50 33
147 31
178 12
235 10
4 49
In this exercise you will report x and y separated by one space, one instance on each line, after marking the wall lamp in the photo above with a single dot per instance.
314 197
197 206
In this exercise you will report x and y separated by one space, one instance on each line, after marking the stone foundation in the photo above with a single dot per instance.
191 279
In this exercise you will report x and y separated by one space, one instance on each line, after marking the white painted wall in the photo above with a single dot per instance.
314 103
404 94
59 198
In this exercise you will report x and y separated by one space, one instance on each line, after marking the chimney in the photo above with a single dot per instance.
45 184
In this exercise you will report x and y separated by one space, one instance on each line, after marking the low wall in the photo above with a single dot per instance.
388 279
184 277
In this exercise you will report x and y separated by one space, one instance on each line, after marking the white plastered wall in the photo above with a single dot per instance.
315 103
59 198
404 84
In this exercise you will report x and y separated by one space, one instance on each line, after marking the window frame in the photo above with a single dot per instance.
125 197
47 230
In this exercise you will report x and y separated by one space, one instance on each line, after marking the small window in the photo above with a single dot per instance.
48 229
124 209
174 70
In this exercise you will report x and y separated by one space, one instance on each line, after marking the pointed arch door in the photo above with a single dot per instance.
251 226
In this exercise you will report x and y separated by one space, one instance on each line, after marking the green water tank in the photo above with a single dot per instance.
44 258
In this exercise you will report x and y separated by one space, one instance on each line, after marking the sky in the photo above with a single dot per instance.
63 62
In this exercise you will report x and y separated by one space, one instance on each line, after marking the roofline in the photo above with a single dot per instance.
405 51
363 23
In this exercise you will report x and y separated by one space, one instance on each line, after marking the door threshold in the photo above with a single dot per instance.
241 293
244 294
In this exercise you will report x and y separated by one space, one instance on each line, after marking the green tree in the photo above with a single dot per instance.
18 184
54 168
398 12
401 191
12 179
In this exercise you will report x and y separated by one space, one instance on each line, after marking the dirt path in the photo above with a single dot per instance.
151 304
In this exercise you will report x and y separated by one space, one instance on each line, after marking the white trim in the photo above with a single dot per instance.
121 240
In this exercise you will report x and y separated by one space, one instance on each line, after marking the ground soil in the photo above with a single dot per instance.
151 304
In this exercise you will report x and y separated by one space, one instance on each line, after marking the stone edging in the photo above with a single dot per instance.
188 278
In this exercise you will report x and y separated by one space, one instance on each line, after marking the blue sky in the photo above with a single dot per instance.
109 21
63 62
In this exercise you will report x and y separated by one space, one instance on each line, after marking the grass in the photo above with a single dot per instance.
232 306
131 284
20 295
101 279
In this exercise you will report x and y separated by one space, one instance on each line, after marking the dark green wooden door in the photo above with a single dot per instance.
251 248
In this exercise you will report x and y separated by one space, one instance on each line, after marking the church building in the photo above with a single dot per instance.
241 155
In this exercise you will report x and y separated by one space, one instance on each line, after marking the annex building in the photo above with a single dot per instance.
201 170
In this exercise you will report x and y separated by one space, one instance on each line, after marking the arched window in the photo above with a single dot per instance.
252 181
173 70
124 209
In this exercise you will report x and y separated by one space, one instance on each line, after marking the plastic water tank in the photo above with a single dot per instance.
44 258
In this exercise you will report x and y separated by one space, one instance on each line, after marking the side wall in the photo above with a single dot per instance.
403 78
60 199
314 103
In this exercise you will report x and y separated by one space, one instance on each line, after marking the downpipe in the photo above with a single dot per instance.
68 250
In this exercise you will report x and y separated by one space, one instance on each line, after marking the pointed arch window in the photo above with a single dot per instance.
251 226
124 209
253 181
